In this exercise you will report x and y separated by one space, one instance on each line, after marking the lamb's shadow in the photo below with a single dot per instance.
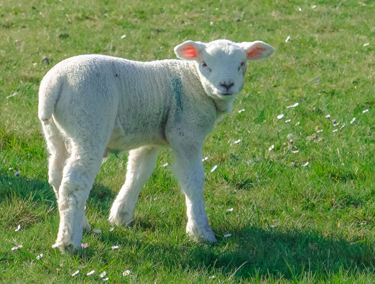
13 185
22 186
263 253
101 197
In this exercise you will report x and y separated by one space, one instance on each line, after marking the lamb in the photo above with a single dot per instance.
92 105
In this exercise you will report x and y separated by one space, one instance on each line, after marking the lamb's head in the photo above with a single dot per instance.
221 64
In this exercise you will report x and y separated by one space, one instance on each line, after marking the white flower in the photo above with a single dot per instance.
352 120
16 247
126 273
296 104
75 273
236 142
241 110
12 95
205 159
280 116
271 148
335 130
366 110
104 273
287 39
54 246
328 116
214 168
111 229
227 235
366 44
294 152
212 277
115 247
97 231
90 273
39 256
230 210
305 165
123 36
318 131
289 120
166 164
106 279
18 228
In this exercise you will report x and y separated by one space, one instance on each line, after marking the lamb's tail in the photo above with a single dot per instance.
49 91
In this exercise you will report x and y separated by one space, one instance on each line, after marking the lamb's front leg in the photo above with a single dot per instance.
141 164
190 173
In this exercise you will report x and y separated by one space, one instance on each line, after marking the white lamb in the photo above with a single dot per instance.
92 105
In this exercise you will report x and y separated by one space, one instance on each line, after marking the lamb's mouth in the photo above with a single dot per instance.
226 94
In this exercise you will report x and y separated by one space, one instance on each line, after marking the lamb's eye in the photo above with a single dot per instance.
243 64
205 65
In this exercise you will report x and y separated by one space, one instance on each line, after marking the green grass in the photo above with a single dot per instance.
290 224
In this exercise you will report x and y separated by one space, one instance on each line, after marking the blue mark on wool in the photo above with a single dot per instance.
177 91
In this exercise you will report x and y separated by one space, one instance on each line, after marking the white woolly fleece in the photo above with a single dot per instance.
92 105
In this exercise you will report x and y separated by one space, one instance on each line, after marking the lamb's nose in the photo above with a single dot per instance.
227 85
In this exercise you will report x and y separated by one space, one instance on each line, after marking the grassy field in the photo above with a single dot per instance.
291 222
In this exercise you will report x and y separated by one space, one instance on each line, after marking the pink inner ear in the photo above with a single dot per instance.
189 51
256 52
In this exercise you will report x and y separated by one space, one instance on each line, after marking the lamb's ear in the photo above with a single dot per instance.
257 50
189 50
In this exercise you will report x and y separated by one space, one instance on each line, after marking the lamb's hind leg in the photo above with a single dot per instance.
141 164
57 159
57 155
78 177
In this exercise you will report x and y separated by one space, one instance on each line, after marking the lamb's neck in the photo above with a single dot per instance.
223 106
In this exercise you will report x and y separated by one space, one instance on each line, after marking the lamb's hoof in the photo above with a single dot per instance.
72 250
203 239
204 234
121 219
68 249
86 226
